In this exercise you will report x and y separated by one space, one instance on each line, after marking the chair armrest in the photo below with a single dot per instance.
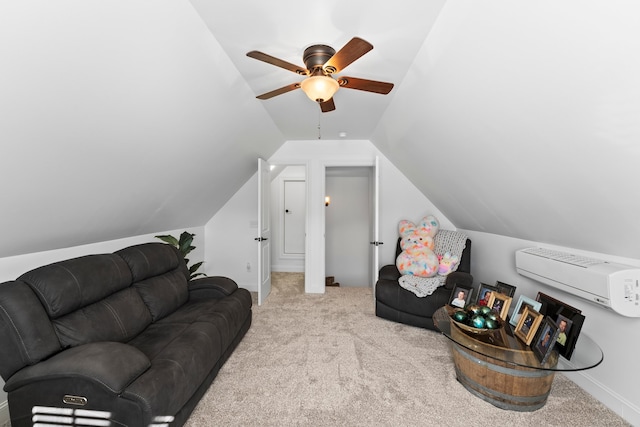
389 272
458 278
211 287
112 365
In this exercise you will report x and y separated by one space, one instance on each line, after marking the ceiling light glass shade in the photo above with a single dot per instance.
319 88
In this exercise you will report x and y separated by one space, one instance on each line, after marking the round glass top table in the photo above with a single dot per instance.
499 368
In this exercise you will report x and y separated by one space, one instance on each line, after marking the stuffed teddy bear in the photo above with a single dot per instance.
417 257
448 263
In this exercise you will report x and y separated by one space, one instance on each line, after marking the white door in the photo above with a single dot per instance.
375 242
264 230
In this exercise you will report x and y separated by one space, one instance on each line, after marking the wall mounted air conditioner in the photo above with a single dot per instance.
610 285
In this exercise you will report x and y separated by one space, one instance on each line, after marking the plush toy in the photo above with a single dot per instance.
448 263
417 257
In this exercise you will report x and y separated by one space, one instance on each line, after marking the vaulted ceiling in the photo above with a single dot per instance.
134 116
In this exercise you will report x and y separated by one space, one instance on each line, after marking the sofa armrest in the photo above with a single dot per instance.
211 287
458 278
389 272
112 365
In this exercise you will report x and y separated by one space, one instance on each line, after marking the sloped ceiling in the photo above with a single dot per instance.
522 119
118 118
131 116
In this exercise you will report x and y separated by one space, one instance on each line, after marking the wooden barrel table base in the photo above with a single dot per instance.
503 385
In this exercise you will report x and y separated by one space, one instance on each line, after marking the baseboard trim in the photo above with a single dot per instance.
611 399
251 287
5 418
288 268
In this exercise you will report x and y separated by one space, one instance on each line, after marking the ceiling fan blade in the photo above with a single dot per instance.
327 106
277 62
366 85
354 49
280 91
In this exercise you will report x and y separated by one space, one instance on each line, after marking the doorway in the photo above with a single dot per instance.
348 225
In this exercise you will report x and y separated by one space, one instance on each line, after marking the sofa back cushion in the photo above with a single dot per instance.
26 333
66 286
160 275
118 317
89 299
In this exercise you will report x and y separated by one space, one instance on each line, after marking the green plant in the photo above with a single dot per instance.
184 247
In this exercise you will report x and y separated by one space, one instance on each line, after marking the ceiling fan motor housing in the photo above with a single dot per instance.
316 56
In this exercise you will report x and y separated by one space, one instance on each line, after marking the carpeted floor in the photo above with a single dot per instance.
327 360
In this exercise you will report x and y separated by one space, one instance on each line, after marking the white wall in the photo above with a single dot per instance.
12 267
230 248
615 381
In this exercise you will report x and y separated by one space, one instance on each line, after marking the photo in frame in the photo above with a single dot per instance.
523 301
505 288
564 327
528 325
500 303
554 309
545 339
484 293
461 296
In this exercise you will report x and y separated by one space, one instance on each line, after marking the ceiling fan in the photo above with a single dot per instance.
321 62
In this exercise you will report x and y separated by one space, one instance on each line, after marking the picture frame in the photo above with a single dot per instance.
558 310
545 339
528 325
454 300
500 303
484 293
564 328
505 288
519 308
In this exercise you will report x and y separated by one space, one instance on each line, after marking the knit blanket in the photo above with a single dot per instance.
450 241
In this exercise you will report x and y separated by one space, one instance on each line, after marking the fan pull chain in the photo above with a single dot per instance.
319 128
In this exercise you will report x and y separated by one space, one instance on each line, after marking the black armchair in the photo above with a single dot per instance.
395 303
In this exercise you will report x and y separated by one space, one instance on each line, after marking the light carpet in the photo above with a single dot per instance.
327 360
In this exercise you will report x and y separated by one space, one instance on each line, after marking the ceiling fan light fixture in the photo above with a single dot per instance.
319 88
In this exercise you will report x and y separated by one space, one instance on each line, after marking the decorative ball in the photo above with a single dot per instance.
484 310
473 309
493 316
491 323
478 321
460 316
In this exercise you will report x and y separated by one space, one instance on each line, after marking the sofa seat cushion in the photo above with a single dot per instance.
184 347
228 314
181 356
